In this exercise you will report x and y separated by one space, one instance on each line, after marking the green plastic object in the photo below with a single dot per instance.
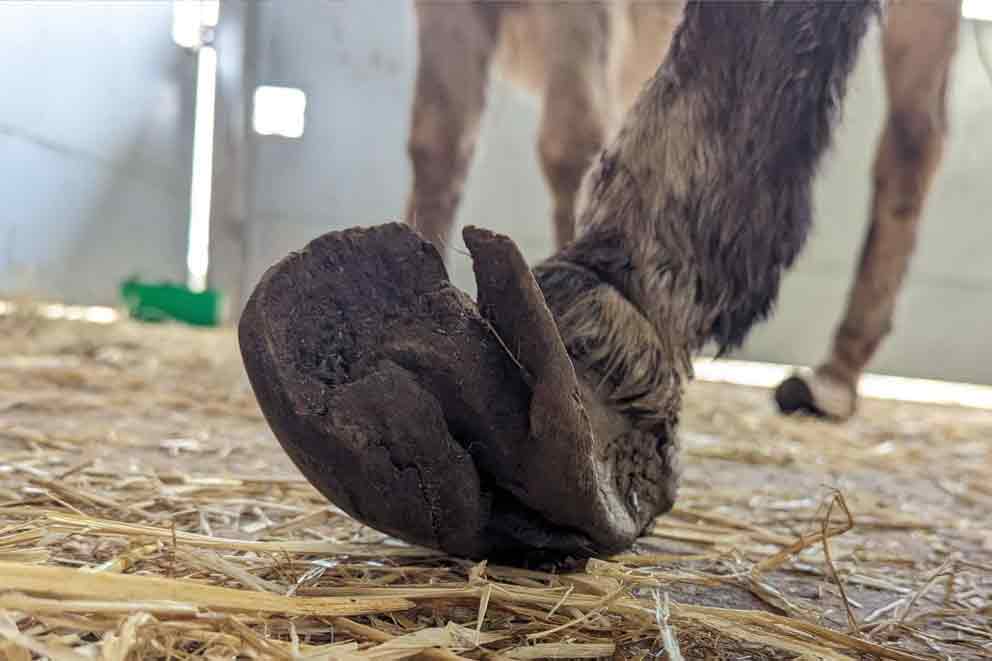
163 301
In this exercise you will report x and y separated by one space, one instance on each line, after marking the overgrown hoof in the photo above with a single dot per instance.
448 425
816 394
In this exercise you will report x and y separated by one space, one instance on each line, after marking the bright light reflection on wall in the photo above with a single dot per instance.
769 375
97 314
279 111
978 10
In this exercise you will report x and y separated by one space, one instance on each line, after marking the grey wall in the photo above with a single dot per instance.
95 141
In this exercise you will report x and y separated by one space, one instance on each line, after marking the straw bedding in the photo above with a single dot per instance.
146 512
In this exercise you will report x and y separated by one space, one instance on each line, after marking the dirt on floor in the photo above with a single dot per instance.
132 452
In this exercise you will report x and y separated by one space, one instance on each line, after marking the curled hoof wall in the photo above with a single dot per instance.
816 394
446 423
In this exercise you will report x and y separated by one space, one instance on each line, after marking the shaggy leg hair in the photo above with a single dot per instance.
544 416
703 200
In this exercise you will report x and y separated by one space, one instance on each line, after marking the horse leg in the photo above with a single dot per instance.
918 44
456 42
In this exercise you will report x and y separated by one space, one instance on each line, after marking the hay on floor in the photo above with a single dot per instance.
146 512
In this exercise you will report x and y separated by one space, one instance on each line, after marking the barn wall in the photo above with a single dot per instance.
95 156
95 141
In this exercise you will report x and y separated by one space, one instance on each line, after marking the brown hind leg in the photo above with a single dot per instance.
576 96
918 43
456 42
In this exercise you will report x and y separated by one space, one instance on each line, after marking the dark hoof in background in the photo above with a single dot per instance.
816 395
450 425
794 396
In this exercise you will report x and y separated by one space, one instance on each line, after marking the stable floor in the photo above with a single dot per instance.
147 512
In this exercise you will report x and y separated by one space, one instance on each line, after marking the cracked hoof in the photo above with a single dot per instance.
450 425
815 393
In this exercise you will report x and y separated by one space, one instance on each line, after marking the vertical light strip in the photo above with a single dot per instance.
198 248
